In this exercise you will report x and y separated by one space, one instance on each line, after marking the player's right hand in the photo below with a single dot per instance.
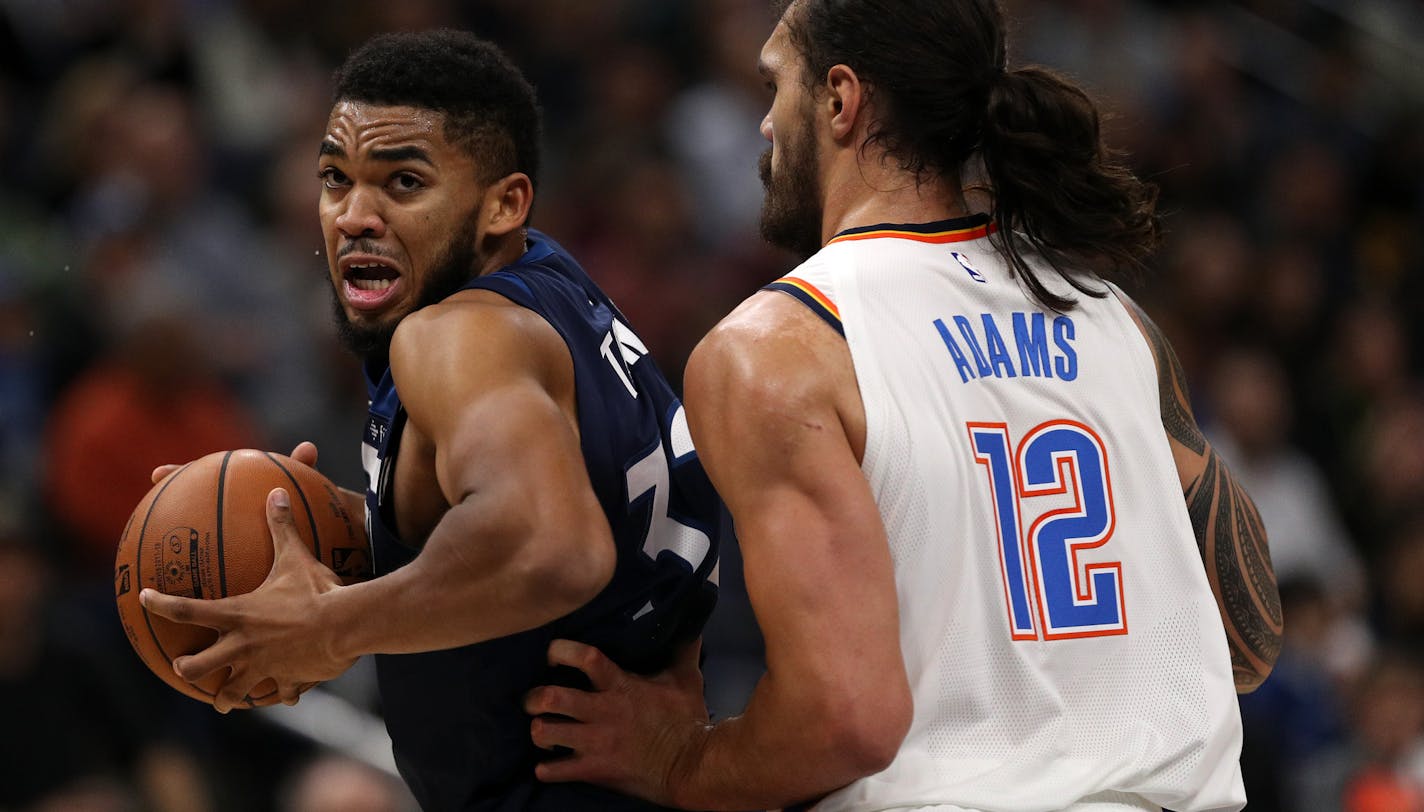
305 452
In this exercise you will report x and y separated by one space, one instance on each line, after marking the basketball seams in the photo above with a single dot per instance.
222 486
219 483
138 564
311 519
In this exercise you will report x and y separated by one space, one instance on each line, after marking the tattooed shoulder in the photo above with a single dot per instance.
1174 397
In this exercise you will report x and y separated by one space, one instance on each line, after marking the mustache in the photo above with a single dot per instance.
364 245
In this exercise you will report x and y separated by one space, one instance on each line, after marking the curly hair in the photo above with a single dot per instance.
490 109
943 93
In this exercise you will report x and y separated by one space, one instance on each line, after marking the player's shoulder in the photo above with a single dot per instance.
471 315
791 306
475 330
771 351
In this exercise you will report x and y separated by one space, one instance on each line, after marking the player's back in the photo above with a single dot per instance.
1062 644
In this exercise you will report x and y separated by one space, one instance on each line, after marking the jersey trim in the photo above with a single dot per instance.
959 229
812 297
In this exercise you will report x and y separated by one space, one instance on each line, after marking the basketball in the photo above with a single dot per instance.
202 532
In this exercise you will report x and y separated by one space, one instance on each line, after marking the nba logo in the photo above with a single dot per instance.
973 272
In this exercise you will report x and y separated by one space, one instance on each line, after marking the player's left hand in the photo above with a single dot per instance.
274 632
630 733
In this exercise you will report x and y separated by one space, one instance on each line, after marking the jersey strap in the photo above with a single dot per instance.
812 297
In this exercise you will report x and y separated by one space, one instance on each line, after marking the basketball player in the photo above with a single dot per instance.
530 474
972 499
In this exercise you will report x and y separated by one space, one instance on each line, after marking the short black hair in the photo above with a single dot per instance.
490 109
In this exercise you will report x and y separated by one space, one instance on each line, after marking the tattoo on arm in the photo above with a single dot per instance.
1228 528
1232 541
1177 416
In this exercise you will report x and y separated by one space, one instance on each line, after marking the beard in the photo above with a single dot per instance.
450 273
791 211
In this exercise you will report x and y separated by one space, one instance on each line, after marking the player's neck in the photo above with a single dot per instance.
506 251
890 196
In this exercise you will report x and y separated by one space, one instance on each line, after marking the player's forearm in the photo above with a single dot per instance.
787 748
1232 541
482 574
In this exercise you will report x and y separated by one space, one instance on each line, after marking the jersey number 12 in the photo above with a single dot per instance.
1049 593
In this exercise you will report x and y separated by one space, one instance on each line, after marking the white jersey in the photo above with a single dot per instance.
1063 647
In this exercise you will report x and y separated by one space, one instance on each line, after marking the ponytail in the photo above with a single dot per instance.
943 95
1058 190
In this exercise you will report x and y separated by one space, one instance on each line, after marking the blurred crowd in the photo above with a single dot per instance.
163 295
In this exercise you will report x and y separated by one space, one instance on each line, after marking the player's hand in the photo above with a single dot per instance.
276 631
630 733
304 452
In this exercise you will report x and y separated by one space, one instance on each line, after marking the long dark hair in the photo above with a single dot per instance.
943 94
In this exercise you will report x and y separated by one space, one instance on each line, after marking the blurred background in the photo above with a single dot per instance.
163 295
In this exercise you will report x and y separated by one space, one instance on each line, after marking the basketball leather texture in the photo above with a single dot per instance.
202 533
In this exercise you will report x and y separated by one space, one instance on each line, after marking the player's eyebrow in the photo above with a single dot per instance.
387 154
402 154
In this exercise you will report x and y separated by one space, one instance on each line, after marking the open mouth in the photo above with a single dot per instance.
369 283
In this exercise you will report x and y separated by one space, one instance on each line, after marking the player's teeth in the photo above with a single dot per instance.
372 284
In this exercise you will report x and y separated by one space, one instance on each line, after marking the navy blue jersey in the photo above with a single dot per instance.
461 737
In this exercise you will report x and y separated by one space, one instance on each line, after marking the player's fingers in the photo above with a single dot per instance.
162 471
549 732
285 538
183 610
601 671
237 691
268 700
245 689
197 667
569 702
222 703
305 452
286 693
570 768
292 694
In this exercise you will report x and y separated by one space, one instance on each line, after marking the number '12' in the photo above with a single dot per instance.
1049 595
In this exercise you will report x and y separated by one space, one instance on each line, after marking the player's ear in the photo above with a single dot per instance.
506 204
844 98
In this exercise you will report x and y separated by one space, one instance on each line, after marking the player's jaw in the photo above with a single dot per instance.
372 291
791 210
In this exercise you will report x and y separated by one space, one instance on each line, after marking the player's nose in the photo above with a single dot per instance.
361 215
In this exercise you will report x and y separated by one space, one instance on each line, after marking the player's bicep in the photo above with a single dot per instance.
817 565
509 437
1188 443
484 392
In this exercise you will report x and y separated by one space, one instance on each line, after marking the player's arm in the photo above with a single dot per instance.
1229 532
490 389
770 410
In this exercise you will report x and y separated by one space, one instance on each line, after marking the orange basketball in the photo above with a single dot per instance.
202 533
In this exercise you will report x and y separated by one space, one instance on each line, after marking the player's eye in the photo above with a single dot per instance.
406 182
332 178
